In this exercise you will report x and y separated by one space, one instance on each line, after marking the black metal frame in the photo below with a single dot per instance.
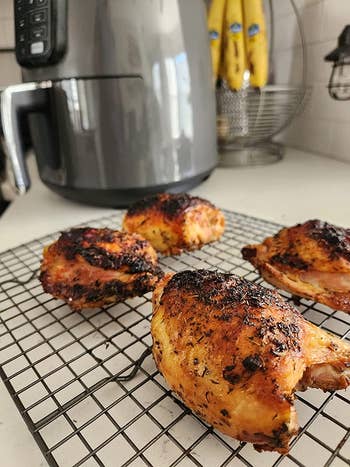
58 365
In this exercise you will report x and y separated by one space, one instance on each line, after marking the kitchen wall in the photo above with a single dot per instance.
9 70
324 126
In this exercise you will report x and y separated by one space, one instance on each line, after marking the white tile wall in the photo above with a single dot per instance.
9 70
336 16
6 24
7 33
6 8
311 16
318 69
324 126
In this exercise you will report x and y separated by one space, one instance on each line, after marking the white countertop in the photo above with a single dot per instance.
300 187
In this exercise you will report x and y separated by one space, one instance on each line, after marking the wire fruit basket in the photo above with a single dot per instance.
78 382
247 119
247 116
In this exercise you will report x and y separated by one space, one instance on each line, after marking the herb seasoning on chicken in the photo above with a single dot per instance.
89 267
236 352
310 260
173 223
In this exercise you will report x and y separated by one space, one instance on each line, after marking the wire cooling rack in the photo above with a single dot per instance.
59 368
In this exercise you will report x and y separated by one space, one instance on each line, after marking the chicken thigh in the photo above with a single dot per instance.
173 223
310 260
236 352
90 268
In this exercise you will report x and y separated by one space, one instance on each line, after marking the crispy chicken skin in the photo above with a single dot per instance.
310 260
173 223
235 353
89 267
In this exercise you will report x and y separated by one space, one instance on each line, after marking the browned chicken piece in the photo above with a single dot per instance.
89 267
173 223
236 352
310 260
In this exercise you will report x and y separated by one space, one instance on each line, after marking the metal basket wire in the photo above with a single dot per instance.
252 115
59 367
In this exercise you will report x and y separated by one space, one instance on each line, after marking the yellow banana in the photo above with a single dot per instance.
256 42
222 72
215 25
234 52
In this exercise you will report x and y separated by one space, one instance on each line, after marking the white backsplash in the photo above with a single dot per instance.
9 69
324 126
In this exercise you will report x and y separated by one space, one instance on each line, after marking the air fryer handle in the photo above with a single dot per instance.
16 101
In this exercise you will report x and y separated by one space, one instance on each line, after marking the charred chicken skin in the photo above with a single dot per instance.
236 352
89 267
173 223
310 260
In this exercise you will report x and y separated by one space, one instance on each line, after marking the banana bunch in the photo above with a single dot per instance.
238 41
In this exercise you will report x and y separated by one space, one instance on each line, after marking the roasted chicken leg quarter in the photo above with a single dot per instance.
89 267
236 352
310 260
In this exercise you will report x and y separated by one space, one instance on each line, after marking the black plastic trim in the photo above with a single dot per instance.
121 198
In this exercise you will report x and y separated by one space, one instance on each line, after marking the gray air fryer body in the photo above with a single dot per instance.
118 94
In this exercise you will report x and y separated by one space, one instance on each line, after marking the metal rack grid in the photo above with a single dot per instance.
59 368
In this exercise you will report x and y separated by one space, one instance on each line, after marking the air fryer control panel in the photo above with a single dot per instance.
40 31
